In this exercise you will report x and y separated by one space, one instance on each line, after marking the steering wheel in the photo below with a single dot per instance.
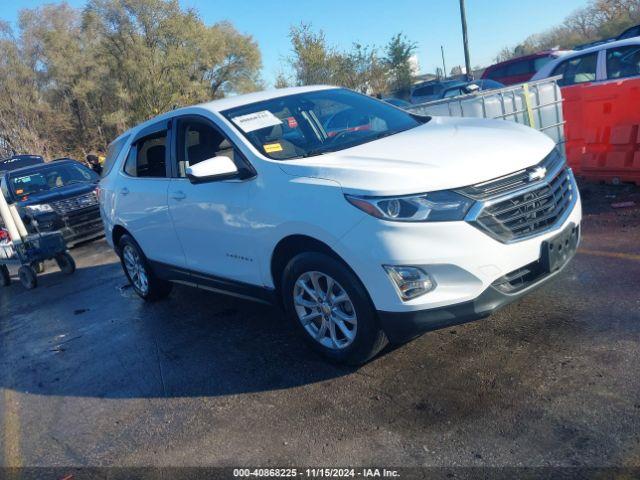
340 135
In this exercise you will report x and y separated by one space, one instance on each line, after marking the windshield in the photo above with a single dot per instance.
45 179
318 122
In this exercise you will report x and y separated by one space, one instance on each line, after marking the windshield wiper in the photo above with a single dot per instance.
315 152
388 133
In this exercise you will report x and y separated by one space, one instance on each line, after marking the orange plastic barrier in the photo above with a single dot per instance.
602 130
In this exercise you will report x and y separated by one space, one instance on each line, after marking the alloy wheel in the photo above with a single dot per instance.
135 268
325 310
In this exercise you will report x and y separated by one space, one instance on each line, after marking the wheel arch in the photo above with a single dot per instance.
116 234
292 245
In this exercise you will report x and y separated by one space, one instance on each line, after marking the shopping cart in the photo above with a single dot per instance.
30 253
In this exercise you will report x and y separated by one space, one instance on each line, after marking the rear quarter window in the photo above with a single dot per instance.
113 151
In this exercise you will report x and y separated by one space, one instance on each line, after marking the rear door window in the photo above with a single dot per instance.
623 62
518 68
540 62
497 73
453 92
147 157
577 70
424 91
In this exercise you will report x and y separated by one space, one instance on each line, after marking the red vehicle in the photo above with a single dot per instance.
601 94
521 69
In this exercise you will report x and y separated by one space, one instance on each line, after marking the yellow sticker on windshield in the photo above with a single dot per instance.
272 147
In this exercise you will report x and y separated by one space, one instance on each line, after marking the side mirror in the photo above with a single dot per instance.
212 169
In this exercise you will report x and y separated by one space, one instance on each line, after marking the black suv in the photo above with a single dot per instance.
56 196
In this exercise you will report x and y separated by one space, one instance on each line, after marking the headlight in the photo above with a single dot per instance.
442 206
39 208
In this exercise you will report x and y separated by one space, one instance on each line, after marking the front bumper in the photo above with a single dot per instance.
401 327
76 226
463 260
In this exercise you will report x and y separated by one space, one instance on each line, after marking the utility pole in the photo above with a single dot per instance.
465 40
444 66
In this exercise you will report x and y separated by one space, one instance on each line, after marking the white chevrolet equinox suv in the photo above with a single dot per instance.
365 223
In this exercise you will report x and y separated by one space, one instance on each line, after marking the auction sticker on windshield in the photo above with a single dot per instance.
273 147
256 121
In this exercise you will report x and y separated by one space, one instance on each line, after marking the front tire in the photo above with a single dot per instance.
136 267
331 309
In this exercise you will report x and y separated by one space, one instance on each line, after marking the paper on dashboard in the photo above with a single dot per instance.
256 121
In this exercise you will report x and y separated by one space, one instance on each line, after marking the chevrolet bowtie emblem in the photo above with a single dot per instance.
537 173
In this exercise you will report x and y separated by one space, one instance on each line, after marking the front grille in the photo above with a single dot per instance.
514 181
68 205
83 217
520 279
531 212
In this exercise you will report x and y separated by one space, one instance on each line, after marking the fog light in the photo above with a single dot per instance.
411 282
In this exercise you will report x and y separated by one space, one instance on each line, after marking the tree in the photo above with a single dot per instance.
62 57
281 80
162 56
399 51
71 80
598 20
455 71
360 68
313 62
22 109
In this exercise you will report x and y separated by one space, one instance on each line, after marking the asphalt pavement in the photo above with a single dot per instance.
91 375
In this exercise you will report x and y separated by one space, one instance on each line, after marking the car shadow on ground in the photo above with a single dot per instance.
89 335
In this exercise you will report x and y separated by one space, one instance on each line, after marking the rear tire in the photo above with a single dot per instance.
344 325
5 277
136 267
66 263
28 277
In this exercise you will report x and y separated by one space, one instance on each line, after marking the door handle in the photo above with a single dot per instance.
124 191
179 195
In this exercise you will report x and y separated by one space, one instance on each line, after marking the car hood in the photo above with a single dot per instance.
59 194
444 153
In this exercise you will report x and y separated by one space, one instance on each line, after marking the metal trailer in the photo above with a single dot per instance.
29 250
537 104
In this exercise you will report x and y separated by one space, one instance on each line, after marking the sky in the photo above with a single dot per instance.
492 24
